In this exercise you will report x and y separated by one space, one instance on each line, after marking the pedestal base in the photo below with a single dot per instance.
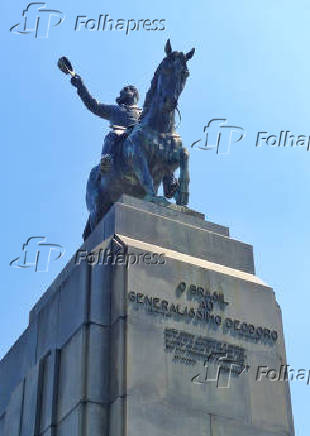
169 334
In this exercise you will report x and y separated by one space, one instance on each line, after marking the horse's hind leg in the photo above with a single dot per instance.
182 194
87 229
170 185
93 199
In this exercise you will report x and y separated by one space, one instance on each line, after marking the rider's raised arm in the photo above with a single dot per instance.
102 110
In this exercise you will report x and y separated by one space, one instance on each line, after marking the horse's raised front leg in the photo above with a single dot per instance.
182 194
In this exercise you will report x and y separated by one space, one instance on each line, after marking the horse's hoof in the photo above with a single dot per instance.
157 199
162 200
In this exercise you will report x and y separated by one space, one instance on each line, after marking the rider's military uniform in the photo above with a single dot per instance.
121 117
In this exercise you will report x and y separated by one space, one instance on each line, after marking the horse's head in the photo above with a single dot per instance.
172 75
167 84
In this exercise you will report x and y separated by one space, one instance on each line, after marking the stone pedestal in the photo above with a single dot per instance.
172 334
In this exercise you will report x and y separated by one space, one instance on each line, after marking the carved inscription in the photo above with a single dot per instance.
189 349
203 313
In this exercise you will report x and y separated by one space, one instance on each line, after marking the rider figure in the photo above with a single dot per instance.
122 116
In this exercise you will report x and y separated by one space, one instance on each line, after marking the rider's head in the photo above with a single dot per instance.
128 95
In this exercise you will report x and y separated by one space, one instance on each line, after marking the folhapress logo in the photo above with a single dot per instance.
38 20
37 254
219 136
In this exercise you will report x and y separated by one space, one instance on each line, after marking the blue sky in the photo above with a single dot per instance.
251 67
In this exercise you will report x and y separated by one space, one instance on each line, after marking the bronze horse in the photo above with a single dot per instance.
149 153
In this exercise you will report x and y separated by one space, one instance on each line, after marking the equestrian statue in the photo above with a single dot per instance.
142 150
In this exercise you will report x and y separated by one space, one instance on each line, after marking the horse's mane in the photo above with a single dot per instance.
151 91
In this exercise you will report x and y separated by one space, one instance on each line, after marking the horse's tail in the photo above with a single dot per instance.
92 187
